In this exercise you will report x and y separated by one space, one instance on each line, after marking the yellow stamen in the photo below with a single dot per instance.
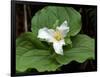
57 35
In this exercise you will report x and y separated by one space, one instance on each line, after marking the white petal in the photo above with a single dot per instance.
46 34
58 46
64 29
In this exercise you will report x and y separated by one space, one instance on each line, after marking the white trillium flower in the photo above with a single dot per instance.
55 36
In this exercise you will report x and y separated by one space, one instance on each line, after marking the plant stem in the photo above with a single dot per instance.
25 18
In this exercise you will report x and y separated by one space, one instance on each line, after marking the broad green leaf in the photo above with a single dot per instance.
30 53
28 39
35 58
19 52
83 40
82 49
74 21
75 54
50 16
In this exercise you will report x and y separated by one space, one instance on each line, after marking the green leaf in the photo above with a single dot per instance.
75 54
35 58
82 49
28 39
50 16
74 21
83 40
31 53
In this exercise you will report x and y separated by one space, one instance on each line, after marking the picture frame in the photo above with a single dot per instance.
18 19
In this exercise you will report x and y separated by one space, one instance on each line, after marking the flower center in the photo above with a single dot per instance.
57 35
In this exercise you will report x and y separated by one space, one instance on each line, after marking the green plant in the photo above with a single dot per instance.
31 52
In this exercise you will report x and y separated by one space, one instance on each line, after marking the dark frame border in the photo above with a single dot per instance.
13 32
13 37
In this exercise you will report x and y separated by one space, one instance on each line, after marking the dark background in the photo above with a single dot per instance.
89 27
